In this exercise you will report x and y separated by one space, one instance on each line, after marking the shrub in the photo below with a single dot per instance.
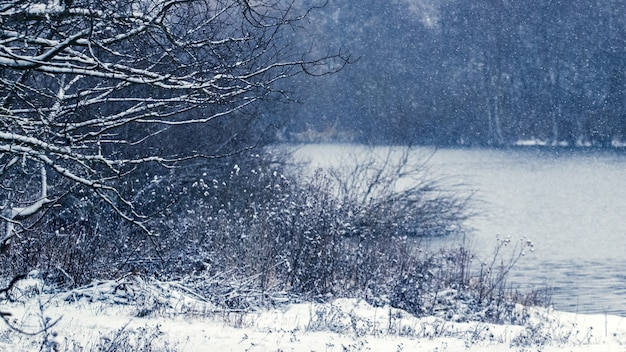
259 231
398 194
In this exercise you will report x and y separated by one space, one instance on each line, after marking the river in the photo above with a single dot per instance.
570 203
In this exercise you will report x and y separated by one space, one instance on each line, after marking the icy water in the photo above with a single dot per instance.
571 204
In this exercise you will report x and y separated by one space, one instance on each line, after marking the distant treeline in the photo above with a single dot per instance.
485 72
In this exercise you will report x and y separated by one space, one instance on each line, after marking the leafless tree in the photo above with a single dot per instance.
88 87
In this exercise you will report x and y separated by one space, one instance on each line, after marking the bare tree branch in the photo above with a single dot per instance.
87 89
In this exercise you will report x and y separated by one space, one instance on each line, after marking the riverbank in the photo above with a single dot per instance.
158 316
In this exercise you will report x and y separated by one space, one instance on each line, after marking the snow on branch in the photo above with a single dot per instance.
14 214
88 87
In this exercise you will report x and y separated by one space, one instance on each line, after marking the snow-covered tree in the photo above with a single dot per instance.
88 88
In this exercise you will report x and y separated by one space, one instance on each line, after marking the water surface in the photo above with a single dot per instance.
570 203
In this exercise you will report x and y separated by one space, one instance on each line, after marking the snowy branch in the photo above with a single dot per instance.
87 88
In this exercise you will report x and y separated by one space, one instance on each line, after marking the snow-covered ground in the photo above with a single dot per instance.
137 314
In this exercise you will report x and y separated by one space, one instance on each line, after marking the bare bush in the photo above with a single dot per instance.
454 284
397 192
264 235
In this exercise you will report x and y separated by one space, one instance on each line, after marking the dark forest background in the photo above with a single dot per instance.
478 72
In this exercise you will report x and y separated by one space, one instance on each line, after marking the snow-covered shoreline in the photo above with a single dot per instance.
163 318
